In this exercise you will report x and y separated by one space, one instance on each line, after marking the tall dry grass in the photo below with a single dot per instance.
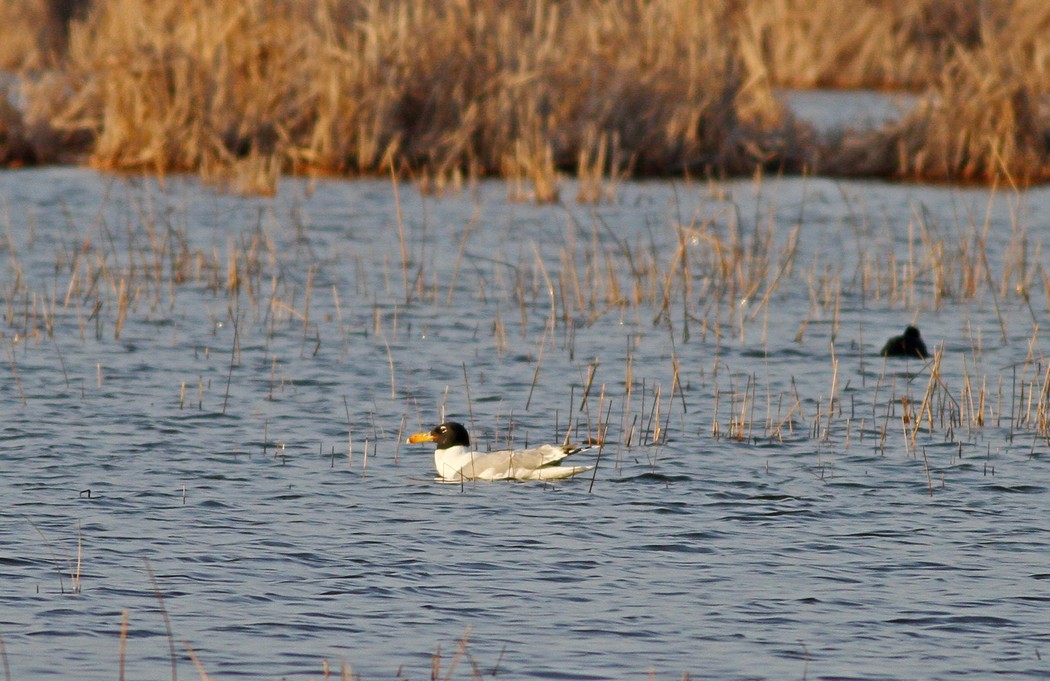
531 91
525 90
982 67
35 32
880 44
984 120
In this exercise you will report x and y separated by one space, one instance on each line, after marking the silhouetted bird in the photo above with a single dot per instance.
908 345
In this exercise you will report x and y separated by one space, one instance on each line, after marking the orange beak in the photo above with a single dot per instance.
420 437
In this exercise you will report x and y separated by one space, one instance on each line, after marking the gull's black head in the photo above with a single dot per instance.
450 434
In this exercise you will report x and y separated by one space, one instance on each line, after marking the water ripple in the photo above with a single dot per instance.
241 473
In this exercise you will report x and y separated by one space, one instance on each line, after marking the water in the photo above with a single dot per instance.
210 437
830 110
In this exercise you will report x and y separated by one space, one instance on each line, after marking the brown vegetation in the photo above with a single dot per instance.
983 117
35 31
878 44
527 91
15 146
523 90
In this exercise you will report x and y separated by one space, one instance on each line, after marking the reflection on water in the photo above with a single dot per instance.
222 385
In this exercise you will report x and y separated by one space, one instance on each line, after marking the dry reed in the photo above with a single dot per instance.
981 122
533 92
35 31
436 89
882 44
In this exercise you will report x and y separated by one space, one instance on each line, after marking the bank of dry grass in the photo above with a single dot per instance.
245 91
343 86
875 44
985 120
982 69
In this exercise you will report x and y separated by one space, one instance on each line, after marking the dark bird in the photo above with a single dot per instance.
908 345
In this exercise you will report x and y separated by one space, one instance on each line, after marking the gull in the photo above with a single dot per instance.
455 460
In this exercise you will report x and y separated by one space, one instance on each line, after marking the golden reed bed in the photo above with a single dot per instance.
438 90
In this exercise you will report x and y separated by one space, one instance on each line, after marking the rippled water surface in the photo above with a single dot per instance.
214 388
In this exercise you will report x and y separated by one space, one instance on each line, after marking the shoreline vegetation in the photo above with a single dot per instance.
443 91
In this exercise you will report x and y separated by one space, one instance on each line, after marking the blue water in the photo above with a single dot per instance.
248 445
